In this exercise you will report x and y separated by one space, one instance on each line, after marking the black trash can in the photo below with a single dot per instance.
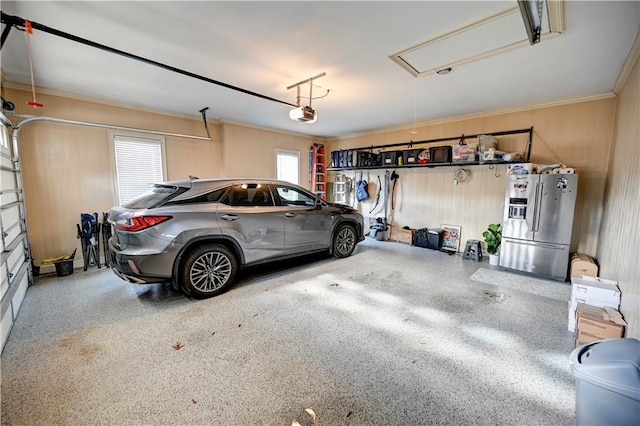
64 267
607 374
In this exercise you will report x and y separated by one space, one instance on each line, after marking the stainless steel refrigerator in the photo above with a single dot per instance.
538 219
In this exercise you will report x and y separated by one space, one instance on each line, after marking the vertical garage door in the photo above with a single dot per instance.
15 270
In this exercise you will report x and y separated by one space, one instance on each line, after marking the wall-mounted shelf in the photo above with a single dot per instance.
416 145
428 165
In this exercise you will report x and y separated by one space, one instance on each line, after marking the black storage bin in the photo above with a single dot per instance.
410 156
368 159
440 154
434 238
390 158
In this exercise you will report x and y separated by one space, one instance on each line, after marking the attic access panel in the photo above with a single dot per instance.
489 36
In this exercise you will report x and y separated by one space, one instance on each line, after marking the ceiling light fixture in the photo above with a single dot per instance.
305 114
444 71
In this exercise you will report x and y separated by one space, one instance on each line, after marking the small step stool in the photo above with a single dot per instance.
473 250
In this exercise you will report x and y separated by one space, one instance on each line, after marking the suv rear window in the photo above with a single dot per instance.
210 197
154 197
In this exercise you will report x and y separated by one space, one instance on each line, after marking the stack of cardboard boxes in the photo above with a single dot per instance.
593 309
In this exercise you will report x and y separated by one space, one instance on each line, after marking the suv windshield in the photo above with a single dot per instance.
153 197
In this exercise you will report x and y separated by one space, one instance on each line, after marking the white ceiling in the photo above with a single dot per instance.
266 46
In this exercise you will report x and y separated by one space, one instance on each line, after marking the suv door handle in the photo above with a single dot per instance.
290 214
230 217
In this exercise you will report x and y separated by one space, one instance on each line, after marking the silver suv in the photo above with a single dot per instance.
197 233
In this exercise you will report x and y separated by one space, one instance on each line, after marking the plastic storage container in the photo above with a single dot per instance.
440 154
607 374
391 158
434 238
410 156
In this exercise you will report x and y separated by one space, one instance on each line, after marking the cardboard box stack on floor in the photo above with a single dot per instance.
582 264
593 323
593 309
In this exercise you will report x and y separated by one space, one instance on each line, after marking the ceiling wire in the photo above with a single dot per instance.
414 132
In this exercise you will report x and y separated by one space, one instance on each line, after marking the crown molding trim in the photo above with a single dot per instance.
629 63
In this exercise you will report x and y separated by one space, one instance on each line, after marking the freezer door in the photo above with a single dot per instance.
519 208
554 212
550 260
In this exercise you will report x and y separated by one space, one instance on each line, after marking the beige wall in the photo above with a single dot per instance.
577 135
619 249
67 169
250 151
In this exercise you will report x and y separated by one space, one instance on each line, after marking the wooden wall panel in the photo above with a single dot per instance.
619 250
578 135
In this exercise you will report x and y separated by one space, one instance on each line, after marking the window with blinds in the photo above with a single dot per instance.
139 165
287 166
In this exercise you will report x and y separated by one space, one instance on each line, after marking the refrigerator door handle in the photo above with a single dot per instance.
536 244
535 205
539 205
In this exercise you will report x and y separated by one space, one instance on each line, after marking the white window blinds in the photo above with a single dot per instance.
287 166
138 166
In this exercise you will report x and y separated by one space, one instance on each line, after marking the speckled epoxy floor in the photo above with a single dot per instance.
393 335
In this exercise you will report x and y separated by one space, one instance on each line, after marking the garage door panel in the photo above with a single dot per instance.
15 270
7 175
19 296
11 224
16 258
8 197
5 325
4 282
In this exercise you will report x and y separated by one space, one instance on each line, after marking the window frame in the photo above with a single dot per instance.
290 153
113 135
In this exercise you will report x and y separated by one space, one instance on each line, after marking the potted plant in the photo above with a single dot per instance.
493 238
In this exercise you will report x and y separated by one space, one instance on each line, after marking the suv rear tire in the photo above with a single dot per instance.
344 241
208 271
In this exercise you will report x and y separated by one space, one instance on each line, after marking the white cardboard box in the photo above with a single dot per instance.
593 291
588 289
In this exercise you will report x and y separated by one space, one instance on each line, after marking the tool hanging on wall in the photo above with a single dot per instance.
393 178
29 32
377 196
